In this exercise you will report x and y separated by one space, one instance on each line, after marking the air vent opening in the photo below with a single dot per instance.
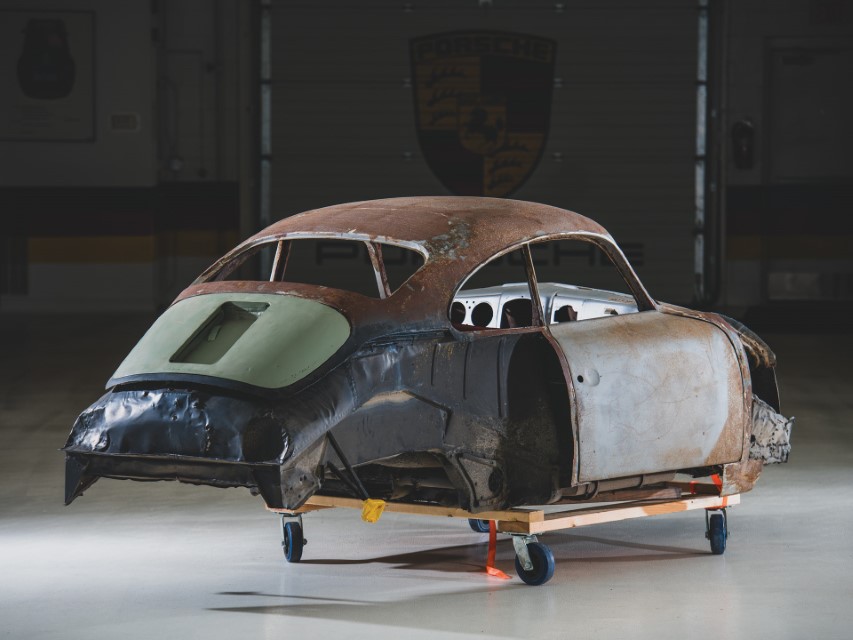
219 332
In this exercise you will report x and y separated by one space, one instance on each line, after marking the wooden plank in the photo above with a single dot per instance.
513 515
305 508
613 513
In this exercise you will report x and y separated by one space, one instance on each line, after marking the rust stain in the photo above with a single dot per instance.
740 477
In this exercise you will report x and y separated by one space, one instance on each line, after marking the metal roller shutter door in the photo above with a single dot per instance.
622 139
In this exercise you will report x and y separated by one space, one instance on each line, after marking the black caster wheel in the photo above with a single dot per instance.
293 541
543 565
717 533
480 526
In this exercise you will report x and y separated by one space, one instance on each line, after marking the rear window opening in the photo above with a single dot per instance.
372 269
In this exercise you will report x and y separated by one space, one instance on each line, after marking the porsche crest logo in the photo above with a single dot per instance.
482 106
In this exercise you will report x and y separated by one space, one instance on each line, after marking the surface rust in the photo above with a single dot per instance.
740 477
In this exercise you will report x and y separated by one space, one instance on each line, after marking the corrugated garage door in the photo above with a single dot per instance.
621 143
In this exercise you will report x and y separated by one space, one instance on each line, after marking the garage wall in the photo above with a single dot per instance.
62 265
622 139
124 76
790 77
125 220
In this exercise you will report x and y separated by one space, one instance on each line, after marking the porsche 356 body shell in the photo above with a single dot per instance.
294 389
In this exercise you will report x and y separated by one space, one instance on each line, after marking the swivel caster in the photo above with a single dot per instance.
534 561
717 531
292 540
480 526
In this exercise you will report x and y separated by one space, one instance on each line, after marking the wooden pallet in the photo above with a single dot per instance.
534 561
534 520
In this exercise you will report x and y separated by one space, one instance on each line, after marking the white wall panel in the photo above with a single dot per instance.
124 79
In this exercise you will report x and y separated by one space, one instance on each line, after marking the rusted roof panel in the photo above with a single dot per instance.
456 234
450 226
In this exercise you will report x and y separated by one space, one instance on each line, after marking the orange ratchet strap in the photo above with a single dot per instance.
718 482
490 561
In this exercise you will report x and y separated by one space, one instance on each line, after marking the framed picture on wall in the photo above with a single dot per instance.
47 76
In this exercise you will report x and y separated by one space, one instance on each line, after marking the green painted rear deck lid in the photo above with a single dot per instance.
289 339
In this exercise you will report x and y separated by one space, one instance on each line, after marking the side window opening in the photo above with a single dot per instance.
497 296
578 281
400 264
250 265
371 269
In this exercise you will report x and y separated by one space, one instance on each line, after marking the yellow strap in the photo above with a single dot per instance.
371 510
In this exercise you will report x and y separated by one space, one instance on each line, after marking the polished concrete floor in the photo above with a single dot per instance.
133 560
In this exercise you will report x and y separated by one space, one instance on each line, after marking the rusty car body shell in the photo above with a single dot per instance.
420 408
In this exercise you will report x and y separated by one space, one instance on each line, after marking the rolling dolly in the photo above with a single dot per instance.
534 560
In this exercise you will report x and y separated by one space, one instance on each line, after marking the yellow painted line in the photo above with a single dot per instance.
92 249
804 247
743 247
130 249
810 247
197 244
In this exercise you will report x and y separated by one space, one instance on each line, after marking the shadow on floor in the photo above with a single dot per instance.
457 559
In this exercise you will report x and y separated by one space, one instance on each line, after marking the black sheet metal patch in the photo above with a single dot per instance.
482 107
